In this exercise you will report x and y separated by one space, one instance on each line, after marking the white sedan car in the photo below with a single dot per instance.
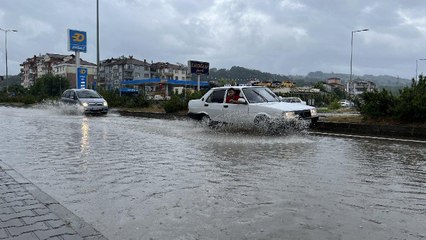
256 106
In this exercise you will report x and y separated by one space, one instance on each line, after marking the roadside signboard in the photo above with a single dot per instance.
77 40
198 68
81 77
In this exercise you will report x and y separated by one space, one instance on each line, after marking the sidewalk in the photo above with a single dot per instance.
28 213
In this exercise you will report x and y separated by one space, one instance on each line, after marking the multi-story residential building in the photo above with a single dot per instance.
67 69
29 71
358 87
113 71
169 71
56 64
46 62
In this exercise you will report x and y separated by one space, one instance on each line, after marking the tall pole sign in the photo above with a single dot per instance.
81 77
77 42
199 68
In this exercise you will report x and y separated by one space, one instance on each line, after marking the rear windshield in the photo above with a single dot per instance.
88 94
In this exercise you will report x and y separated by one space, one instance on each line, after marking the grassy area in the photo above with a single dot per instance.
342 118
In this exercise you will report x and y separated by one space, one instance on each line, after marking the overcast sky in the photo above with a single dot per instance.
284 37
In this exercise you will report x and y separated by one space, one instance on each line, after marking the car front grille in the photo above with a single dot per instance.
303 113
96 104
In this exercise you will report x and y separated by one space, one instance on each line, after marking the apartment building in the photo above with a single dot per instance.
56 64
67 69
169 71
114 70
358 87
29 71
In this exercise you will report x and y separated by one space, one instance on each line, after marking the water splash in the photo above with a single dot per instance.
59 108
276 127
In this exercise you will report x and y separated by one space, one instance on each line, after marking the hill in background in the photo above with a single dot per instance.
243 75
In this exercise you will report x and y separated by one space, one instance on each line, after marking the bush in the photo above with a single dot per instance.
378 104
180 102
175 104
411 106
49 86
130 101
408 107
334 105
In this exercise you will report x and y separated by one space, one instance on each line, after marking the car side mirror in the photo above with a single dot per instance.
280 98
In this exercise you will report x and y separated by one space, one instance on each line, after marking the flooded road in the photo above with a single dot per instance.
139 178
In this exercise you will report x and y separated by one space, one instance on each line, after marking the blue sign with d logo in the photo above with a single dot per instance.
77 41
82 77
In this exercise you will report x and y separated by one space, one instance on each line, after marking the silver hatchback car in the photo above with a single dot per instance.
90 100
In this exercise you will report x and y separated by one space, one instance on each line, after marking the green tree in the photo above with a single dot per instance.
49 86
378 104
411 106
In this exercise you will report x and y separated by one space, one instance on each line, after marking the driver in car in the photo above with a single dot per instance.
232 96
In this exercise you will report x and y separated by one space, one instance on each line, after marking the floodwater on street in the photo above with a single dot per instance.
142 178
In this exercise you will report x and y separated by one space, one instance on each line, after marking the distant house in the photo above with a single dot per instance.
334 83
288 84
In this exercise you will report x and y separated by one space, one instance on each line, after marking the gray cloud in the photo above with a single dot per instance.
284 37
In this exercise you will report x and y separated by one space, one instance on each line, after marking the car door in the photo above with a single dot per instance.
236 112
66 97
214 105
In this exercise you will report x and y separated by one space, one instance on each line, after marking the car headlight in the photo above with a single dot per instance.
105 104
289 115
85 104
313 112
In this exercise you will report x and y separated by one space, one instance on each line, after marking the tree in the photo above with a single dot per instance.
411 106
49 85
378 104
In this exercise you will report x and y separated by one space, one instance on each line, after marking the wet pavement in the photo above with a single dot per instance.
26 212
138 178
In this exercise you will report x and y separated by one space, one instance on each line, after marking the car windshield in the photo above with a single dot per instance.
88 94
259 95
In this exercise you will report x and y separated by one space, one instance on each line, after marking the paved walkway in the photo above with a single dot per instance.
28 213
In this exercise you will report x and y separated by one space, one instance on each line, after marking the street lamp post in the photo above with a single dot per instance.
352 47
417 65
98 81
5 49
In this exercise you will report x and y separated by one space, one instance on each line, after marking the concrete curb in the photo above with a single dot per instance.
380 130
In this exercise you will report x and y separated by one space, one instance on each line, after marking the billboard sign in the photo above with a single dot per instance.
198 68
81 78
77 40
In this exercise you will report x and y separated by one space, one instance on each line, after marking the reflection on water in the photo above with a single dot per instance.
175 179
84 143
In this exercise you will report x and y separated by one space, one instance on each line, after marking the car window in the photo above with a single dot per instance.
88 94
259 95
66 94
217 96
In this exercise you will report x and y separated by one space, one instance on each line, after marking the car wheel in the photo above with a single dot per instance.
262 123
205 120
